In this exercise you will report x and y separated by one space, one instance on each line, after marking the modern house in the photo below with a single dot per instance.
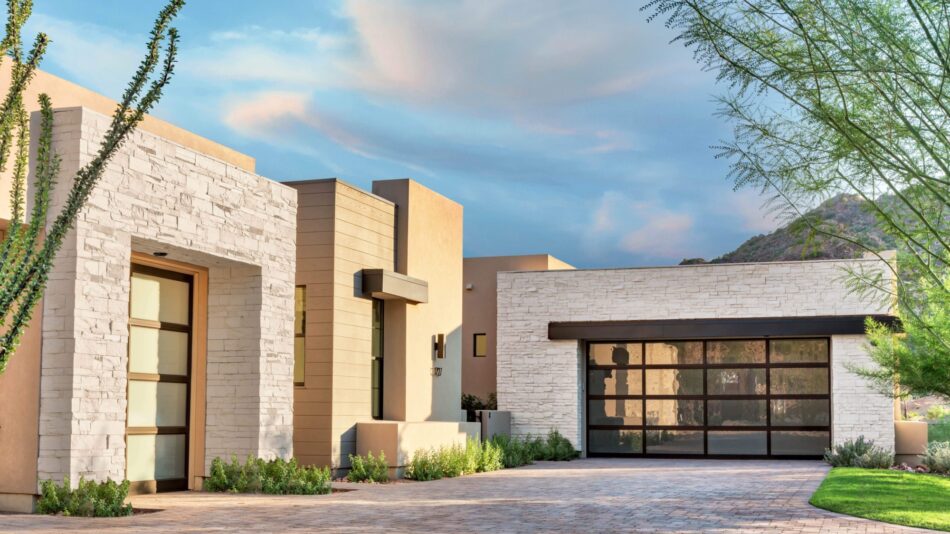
178 326
480 317
723 360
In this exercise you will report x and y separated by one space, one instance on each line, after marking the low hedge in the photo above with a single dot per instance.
273 477
89 499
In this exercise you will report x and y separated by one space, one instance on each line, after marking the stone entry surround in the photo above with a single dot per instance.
157 195
593 495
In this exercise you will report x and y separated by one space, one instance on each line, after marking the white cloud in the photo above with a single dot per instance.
665 235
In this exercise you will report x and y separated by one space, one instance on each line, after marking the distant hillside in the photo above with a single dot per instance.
846 214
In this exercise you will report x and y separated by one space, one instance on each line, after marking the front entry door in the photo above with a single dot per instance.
160 330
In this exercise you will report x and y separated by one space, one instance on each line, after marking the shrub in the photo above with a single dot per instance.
559 448
516 452
273 477
452 461
89 499
937 457
937 412
424 465
368 469
489 457
859 453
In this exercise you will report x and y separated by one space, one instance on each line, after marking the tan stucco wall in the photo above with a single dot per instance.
480 313
66 94
340 231
399 440
19 413
428 247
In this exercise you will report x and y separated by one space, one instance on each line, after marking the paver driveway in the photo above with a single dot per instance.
595 495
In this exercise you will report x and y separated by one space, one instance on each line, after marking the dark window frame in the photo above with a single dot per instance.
376 408
768 365
302 334
475 353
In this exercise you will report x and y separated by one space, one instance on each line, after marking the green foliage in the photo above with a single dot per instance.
273 477
859 453
844 97
937 457
471 403
425 465
26 254
369 468
490 456
89 499
937 412
898 497
448 462
519 451
938 431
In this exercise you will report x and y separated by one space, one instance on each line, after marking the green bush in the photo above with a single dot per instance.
89 499
937 457
937 412
424 465
859 453
519 451
273 477
368 469
489 457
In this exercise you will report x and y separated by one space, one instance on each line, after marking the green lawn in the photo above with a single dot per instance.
938 431
897 497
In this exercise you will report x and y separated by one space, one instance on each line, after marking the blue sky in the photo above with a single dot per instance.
573 128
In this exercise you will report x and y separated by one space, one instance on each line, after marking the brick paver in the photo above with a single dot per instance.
594 495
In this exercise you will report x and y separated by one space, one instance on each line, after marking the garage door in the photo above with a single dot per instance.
752 398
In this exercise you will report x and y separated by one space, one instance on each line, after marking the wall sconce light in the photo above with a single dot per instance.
469 287
439 346
436 371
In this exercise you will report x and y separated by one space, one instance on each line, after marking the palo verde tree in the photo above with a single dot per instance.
846 96
29 248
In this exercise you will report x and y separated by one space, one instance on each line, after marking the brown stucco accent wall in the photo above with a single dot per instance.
480 313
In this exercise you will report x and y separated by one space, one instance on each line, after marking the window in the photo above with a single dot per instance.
300 331
377 362
481 345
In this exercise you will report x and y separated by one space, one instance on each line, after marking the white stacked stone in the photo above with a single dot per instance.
541 381
158 195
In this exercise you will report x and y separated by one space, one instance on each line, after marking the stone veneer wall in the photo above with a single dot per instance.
541 381
158 195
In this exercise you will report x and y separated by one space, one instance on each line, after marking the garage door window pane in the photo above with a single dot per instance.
689 352
736 381
738 442
795 381
674 442
737 413
674 382
620 412
801 412
674 412
719 352
799 350
616 441
787 443
615 354
615 382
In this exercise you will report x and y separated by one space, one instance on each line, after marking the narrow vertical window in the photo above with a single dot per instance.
377 362
481 345
300 331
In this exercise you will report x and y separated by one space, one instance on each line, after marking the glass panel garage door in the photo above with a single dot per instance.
722 398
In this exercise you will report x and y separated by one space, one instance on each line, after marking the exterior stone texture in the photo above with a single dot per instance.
158 195
541 381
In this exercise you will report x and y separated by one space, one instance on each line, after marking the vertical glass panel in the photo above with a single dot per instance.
737 442
736 381
153 404
158 351
377 340
614 382
300 310
737 412
788 443
674 382
615 354
615 441
481 345
674 442
801 412
674 412
615 412
800 381
799 350
688 352
155 457
300 360
159 299
718 352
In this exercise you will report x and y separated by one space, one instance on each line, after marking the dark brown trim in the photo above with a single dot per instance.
696 329
159 325
156 430
161 273
152 377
